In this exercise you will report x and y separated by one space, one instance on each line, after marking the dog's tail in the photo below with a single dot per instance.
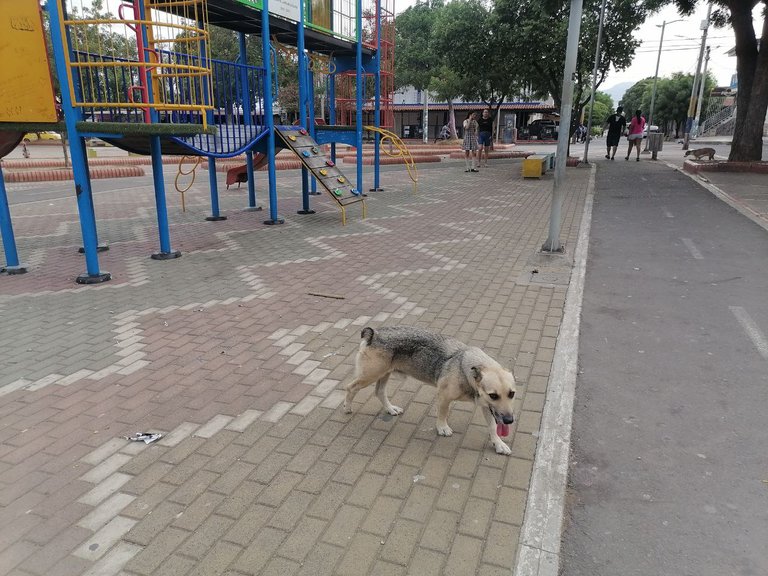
367 334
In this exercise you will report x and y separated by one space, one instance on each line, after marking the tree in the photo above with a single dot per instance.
634 96
673 94
752 71
602 109
416 61
446 85
484 71
537 31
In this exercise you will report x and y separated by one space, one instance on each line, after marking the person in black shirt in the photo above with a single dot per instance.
485 135
616 124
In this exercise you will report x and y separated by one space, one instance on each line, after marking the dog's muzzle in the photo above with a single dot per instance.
502 418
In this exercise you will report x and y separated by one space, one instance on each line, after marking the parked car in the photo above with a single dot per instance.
540 130
652 127
32 136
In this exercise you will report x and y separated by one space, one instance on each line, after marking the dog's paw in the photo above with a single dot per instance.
444 430
347 408
502 448
394 410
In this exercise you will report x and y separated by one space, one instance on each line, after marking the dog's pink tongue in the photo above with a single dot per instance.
502 429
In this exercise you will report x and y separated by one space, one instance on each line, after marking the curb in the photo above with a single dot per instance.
539 544
694 166
516 154
393 160
66 174
105 161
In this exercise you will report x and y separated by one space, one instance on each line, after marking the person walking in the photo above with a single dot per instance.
616 123
469 145
635 136
484 136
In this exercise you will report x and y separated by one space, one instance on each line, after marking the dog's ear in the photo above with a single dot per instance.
477 373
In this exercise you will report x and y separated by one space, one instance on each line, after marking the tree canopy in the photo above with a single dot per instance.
490 51
673 94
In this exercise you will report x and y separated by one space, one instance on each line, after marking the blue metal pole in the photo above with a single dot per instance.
268 116
214 185
12 265
160 204
77 154
247 107
303 107
312 127
359 93
156 153
332 109
377 102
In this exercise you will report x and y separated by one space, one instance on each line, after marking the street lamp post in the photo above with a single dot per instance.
655 79
692 104
594 80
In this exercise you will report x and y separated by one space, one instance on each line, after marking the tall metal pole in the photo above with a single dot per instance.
655 79
594 80
694 88
566 108
702 82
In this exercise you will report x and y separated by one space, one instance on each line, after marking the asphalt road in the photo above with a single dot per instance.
669 465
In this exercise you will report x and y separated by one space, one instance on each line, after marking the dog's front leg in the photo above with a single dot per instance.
499 445
443 407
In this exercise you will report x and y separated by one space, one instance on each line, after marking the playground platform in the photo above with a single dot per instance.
237 351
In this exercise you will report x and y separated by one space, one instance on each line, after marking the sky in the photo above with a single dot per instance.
680 51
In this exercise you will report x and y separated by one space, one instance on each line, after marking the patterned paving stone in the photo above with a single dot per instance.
237 353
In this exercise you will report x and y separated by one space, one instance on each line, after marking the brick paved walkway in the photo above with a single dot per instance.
226 352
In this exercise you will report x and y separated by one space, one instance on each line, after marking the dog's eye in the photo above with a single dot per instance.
493 396
511 394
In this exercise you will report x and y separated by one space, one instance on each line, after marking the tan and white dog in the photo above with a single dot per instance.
459 372
699 153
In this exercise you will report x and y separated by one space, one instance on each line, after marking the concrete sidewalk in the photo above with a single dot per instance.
230 352
237 351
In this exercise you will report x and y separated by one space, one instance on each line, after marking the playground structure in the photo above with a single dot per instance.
149 85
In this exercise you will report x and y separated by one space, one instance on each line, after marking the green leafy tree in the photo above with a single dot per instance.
602 109
446 85
635 97
673 94
537 30
671 107
416 60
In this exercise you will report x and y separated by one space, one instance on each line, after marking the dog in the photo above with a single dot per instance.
699 153
459 372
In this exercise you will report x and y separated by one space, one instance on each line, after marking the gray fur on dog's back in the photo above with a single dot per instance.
416 352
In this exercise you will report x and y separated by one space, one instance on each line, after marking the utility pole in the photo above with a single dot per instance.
566 109
702 82
594 80
655 79
694 89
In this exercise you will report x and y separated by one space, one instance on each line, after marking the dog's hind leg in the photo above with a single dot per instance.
381 394
367 373
353 388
